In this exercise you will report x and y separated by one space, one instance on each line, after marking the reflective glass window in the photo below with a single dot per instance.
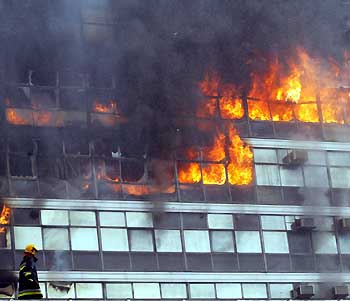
292 177
340 177
141 240
89 290
267 175
82 218
84 239
119 290
114 239
168 240
228 291
197 241
28 235
112 219
275 242
139 219
265 155
220 221
248 241
254 290
173 290
222 241
56 239
324 243
146 291
339 158
202 290
316 176
272 222
344 243
54 217
281 290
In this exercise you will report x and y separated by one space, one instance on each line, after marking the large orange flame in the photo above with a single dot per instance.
4 218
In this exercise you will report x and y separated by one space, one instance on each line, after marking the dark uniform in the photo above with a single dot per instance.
28 279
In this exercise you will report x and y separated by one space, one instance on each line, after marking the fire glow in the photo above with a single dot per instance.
110 107
4 218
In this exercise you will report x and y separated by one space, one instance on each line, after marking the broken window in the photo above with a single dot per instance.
132 171
21 166
72 99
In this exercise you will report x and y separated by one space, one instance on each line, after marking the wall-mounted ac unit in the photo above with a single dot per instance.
295 158
303 292
303 224
340 292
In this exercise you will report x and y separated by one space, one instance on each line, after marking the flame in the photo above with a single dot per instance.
4 218
135 189
110 107
13 117
189 173
214 174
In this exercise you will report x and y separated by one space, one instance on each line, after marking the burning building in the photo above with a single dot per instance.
176 149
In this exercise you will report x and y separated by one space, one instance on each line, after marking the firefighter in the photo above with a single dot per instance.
28 277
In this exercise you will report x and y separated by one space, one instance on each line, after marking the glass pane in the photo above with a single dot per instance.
264 155
316 158
114 240
146 291
316 176
89 290
292 177
168 240
281 290
197 241
339 158
82 218
220 221
228 291
271 222
205 290
254 290
56 239
54 217
173 290
28 235
275 242
61 290
340 177
222 241
119 290
267 175
248 242
139 219
112 219
344 243
324 243
84 239
141 240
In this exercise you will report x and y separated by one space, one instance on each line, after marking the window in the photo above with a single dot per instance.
28 235
292 177
197 241
56 239
340 177
280 290
339 158
119 290
54 291
222 241
228 291
316 176
265 155
324 243
253 290
344 243
205 290
139 219
114 239
316 158
267 175
82 218
271 222
275 242
168 241
141 240
54 217
84 239
146 291
173 290
112 219
220 221
89 290
248 242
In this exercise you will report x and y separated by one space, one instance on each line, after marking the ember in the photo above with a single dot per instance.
109 107
4 218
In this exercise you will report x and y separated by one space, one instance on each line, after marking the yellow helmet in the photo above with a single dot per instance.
31 249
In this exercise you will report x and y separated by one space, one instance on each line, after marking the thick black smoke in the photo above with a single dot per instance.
159 49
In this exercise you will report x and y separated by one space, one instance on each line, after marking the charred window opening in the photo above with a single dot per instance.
76 142
21 166
42 98
132 171
71 79
113 170
17 97
72 99
106 146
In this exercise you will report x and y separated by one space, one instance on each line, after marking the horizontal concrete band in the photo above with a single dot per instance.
193 277
117 205
298 144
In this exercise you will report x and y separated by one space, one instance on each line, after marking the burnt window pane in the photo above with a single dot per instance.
217 194
243 194
21 166
76 142
269 195
278 263
49 142
171 262
293 195
194 220
17 97
261 129
246 222
78 168
191 193
167 220
87 261
72 99
299 242
26 216
3 167
21 142
132 171
24 188
112 170
225 262
42 98
105 147
116 261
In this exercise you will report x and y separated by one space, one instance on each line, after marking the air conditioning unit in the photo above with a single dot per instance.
295 157
303 292
344 224
303 224
340 292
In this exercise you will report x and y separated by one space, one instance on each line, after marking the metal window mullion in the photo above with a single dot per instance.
99 238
